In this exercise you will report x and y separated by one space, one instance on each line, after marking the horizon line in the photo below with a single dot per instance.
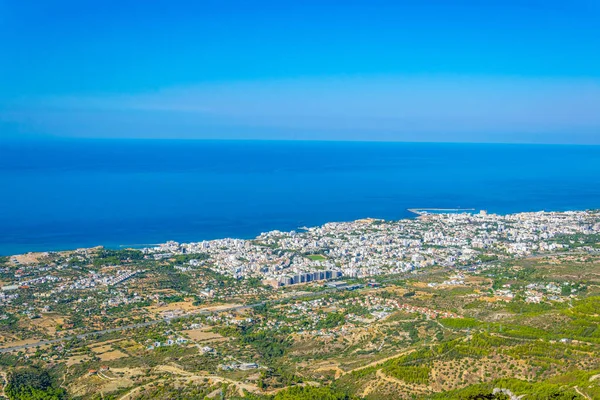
41 138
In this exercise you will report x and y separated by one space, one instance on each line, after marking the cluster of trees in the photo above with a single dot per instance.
530 390
172 279
112 257
543 352
311 393
487 257
121 309
176 298
10 322
269 346
579 239
417 375
332 320
33 384
186 258
301 393
473 393
460 323
587 308
521 307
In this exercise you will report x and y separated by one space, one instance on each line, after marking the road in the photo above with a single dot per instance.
154 322
233 308
167 320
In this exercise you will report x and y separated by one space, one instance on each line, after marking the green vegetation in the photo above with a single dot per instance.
531 390
418 375
114 257
267 344
311 393
386 342
33 384
332 320
186 258
460 323
173 299
579 240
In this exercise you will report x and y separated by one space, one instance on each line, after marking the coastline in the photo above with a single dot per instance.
81 194
416 214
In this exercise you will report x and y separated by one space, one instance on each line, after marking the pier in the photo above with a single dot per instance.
423 211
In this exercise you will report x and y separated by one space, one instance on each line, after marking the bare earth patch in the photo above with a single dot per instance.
112 355
203 335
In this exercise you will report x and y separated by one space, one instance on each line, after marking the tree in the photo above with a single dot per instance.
32 384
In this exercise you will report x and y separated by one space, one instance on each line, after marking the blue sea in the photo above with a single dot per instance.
65 194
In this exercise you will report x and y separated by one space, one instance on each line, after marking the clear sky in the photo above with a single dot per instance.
428 70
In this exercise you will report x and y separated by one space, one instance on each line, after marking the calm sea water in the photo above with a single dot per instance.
68 194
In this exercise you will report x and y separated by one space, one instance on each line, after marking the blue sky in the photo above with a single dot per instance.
465 70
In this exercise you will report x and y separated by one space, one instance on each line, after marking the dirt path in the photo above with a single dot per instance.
191 376
399 382
581 393
338 371
369 388
512 337
380 361
127 396
382 377
186 376
101 375
173 370
4 384
390 379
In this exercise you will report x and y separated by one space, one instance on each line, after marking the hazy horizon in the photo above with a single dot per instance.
499 72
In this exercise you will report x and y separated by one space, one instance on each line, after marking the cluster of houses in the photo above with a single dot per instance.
372 247
239 366
168 342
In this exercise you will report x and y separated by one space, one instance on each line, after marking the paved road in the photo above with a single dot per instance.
158 321
150 323
234 308
80 336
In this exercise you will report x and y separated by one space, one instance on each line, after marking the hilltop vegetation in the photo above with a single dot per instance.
33 384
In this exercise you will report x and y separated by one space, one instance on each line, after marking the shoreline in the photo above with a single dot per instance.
201 191
416 214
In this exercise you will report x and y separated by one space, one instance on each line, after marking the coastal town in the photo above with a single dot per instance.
300 200
342 305
226 268
371 247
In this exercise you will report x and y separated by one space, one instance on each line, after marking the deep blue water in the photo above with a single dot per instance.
73 193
